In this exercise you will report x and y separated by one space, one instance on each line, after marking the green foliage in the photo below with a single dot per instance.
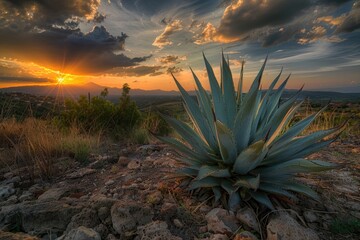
98 114
238 146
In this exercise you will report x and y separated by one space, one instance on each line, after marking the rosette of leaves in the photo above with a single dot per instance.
240 146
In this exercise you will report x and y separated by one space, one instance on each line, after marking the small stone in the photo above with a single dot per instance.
8 175
154 198
111 237
203 229
218 237
15 179
36 189
110 182
134 164
123 161
245 235
103 213
221 221
248 217
178 223
53 194
80 173
6 191
310 216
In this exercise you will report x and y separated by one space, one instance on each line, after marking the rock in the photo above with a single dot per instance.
102 230
110 182
38 218
148 149
80 173
6 191
310 216
82 233
178 223
12 200
53 194
154 198
123 161
111 237
248 217
168 209
8 175
15 180
36 189
245 235
218 237
155 230
126 216
103 213
26 196
16 236
283 226
221 221
87 218
134 164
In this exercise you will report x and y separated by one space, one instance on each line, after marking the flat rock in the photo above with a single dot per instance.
53 194
283 226
81 233
127 216
134 164
221 221
80 173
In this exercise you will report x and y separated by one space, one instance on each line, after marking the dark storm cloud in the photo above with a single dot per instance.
241 18
25 80
181 8
46 32
351 21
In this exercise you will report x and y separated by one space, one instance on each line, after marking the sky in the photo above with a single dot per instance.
140 42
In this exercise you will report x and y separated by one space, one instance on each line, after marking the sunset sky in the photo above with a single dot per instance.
140 42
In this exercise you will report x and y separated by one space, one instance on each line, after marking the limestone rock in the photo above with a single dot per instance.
155 230
126 216
283 226
221 221
248 217
81 233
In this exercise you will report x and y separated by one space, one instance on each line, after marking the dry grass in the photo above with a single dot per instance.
34 145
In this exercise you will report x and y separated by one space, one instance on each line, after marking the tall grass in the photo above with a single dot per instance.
34 145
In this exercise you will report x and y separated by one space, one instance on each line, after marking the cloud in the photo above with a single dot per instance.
332 21
351 21
316 33
164 38
137 71
174 69
25 80
171 59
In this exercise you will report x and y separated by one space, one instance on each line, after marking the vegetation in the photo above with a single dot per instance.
239 147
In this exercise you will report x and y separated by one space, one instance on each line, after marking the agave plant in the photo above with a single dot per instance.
239 146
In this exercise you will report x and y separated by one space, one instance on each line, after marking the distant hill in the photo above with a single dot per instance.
95 89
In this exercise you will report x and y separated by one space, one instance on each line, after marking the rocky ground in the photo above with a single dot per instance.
130 192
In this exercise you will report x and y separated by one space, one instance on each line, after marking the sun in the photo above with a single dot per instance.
60 79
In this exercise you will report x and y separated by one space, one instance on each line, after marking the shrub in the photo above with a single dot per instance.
238 147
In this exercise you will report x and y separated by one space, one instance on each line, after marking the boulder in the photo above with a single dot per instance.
87 218
283 226
221 221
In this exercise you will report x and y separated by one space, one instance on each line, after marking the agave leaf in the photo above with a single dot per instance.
188 171
216 94
289 115
228 186
276 189
291 167
262 198
256 83
248 182
205 183
217 193
249 158
240 85
313 148
234 201
213 171
184 149
300 188
296 129
226 143
188 134
228 92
